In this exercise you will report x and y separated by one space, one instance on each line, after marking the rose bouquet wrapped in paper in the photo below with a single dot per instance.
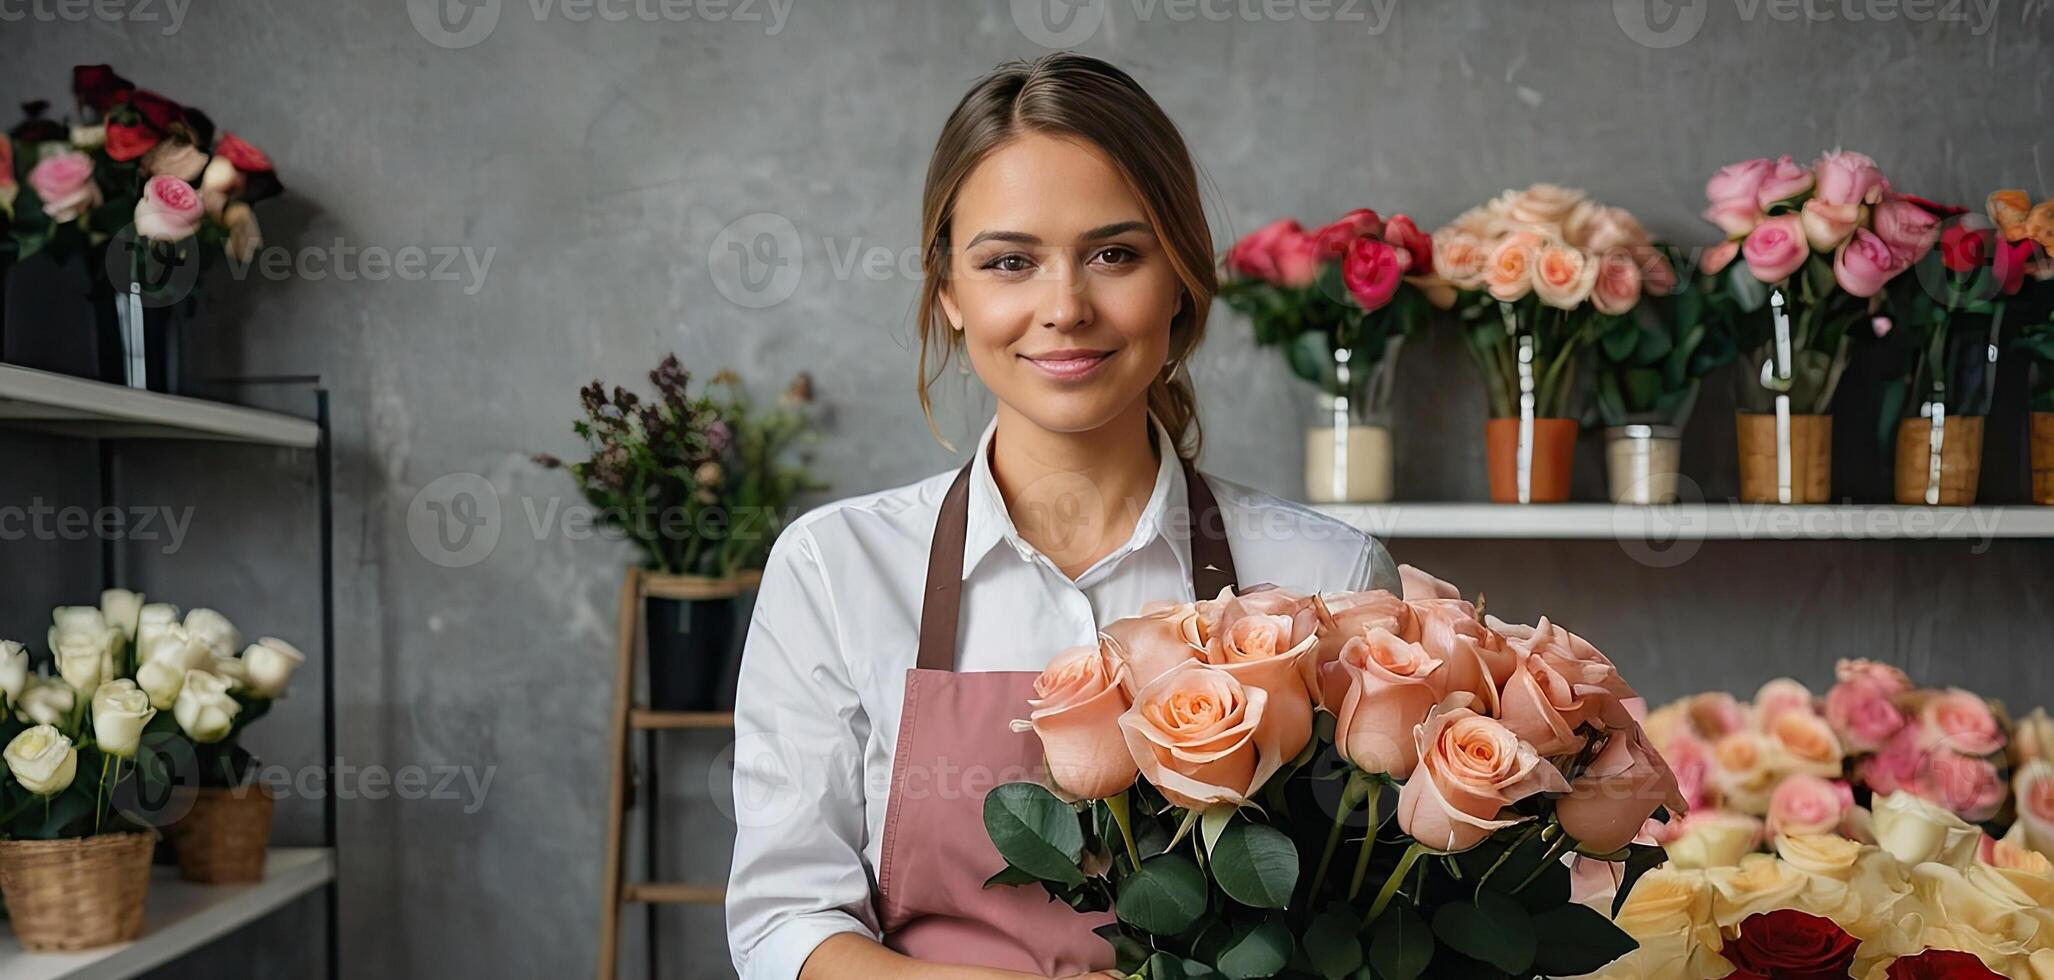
1270 784
1538 276
1339 301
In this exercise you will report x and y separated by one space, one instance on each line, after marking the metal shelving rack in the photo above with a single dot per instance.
107 415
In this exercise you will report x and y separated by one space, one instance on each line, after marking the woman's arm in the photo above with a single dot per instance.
852 957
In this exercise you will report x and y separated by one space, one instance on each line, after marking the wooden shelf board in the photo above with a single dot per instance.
675 893
695 587
644 718
40 400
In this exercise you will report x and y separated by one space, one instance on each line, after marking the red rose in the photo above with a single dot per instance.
129 142
245 157
1792 945
1372 272
1335 238
2010 263
1253 256
98 86
156 110
1418 245
1941 964
1963 249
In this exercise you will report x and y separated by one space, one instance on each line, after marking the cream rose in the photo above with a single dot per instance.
1379 688
2032 738
82 659
161 680
1669 912
1803 743
172 644
1470 769
2032 786
1714 839
122 610
47 701
1194 733
42 760
120 710
213 629
268 666
1759 883
1916 831
1076 708
1741 772
204 708
1545 206
14 670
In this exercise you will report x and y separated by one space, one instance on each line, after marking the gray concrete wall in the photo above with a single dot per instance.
601 165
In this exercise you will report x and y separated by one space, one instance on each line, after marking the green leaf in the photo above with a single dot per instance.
1619 342
1258 949
1169 966
1400 944
1128 952
1035 832
1332 946
1010 875
1548 889
1256 865
1640 859
1309 358
1748 292
1577 939
1495 929
1165 897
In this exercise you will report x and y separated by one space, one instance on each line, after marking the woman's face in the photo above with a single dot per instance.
1058 283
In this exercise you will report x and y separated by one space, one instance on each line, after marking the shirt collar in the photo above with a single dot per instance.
990 524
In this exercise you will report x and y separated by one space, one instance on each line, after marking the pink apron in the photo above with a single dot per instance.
953 746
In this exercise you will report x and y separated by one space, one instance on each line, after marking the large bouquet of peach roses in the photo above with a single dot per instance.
1338 785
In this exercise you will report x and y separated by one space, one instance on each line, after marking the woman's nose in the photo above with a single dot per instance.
1066 299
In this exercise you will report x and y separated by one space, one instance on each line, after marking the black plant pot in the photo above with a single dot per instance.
61 316
694 652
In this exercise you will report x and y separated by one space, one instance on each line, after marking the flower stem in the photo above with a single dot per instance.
1118 806
98 789
1350 793
1383 898
1368 845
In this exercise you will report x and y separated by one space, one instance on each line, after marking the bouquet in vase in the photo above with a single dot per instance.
1340 785
1537 276
2019 249
1340 301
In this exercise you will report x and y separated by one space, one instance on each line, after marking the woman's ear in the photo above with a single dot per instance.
949 308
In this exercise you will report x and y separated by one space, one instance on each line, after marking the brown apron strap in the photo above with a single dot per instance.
1212 561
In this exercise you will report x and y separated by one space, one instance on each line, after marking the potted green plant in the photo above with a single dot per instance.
1650 368
701 484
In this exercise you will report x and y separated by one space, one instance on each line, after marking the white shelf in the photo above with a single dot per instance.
182 917
59 403
1711 521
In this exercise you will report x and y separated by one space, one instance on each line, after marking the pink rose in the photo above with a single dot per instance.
1736 218
1893 767
2033 786
1864 264
1195 733
1470 769
1967 785
1739 181
1715 714
1415 247
1334 239
1657 276
1862 714
170 210
1784 180
1255 255
1419 584
1379 689
1608 228
1372 272
1780 695
1884 677
1846 177
64 183
1608 804
1152 644
1804 805
1690 759
1719 256
1959 721
1077 703
1776 248
1826 226
1618 283
1908 229
1297 259
1541 706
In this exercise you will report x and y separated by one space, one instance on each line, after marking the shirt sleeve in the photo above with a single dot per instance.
798 874
1377 570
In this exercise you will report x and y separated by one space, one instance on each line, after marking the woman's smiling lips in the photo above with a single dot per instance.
1070 363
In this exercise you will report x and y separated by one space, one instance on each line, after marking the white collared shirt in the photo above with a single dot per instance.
837 623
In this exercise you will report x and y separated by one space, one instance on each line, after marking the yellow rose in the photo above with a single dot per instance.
1827 855
1669 913
1761 883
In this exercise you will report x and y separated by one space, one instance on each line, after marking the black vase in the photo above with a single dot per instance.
61 316
694 652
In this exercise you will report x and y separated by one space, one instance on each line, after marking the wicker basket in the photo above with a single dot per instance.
77 893
224 837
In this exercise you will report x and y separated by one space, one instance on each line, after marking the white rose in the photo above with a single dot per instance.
89 137
1714 839
231 668
215 629
153 619
122 610
14 670
1916 831
204 708
268 665
76 619
161 680
81 659
120 710
47 702
42 760
171 644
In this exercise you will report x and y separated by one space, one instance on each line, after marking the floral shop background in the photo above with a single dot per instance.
575 180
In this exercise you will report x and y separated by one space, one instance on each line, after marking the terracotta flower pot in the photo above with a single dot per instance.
78 893
1554 453
225 836
2043 457
1961 461
1811 458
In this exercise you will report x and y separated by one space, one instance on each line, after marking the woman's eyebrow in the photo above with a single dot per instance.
1096 234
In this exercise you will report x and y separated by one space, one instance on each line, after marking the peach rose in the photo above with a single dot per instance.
2008 209
1342 616
1508 272
1265 641
1544 205
1804 743
1882 676
1735 218
176 158
1959 721
2039 224
1379 688
1478 659
1419 584
2032 738
1563 277
1617 793
1741 771
1459 258
1153 643
1715 714
1543 707
1804 804
1719 256
1574 657
1076 708
1470 769
1196 733
1618 283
